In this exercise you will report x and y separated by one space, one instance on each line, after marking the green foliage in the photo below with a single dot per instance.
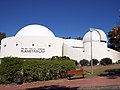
79 38
2 35
114 38
68 37
9 68
118 62
59 58
95 62
84 62
35 70
46 69
106 61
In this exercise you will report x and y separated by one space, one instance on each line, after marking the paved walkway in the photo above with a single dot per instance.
65 84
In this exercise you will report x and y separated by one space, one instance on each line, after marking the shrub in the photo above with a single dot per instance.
9 68
46 69
55 58
34 70
60 58
0 73
95 62
118 62
106 61
84 62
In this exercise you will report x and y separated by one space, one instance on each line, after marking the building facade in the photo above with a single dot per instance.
37 41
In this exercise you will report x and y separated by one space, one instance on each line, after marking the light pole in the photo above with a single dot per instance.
91 50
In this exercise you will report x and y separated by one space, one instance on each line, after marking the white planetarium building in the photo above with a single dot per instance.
36 41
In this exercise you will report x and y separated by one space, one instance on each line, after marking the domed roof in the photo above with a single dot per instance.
35 30
97 36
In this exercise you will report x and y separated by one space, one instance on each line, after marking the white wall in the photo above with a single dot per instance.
99 50
48 47
114 55
52 46
73 53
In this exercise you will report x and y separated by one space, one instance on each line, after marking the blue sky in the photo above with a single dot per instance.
64 17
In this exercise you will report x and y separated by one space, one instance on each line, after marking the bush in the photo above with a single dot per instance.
0 73
34 70
84 62
39 70
118 62
95 62
9 68
106 61
60 58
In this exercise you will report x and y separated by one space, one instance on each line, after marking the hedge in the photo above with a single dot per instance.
9 69
106 61
118 62
95 62
84 62
35 70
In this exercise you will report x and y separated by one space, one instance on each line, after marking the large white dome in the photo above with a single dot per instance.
35 30
97 36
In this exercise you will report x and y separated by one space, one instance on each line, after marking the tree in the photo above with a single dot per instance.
95 62
84 62
114 38
2 35
79 38
106 61
68 37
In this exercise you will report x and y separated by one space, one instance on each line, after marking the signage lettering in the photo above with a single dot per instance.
33 50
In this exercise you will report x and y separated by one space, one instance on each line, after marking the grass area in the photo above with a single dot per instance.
100 70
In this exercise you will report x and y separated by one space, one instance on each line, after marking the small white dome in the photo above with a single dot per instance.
97 36
35 30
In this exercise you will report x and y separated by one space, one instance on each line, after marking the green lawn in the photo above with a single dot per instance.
100 70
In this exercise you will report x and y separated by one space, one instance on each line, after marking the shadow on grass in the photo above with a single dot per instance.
53 87
111 73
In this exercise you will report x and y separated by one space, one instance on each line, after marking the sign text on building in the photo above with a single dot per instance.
33 50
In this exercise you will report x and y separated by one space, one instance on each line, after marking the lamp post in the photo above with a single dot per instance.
91 51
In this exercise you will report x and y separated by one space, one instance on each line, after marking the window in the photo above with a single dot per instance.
108 50
103 41
16 44
4 45
49 45
32 44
